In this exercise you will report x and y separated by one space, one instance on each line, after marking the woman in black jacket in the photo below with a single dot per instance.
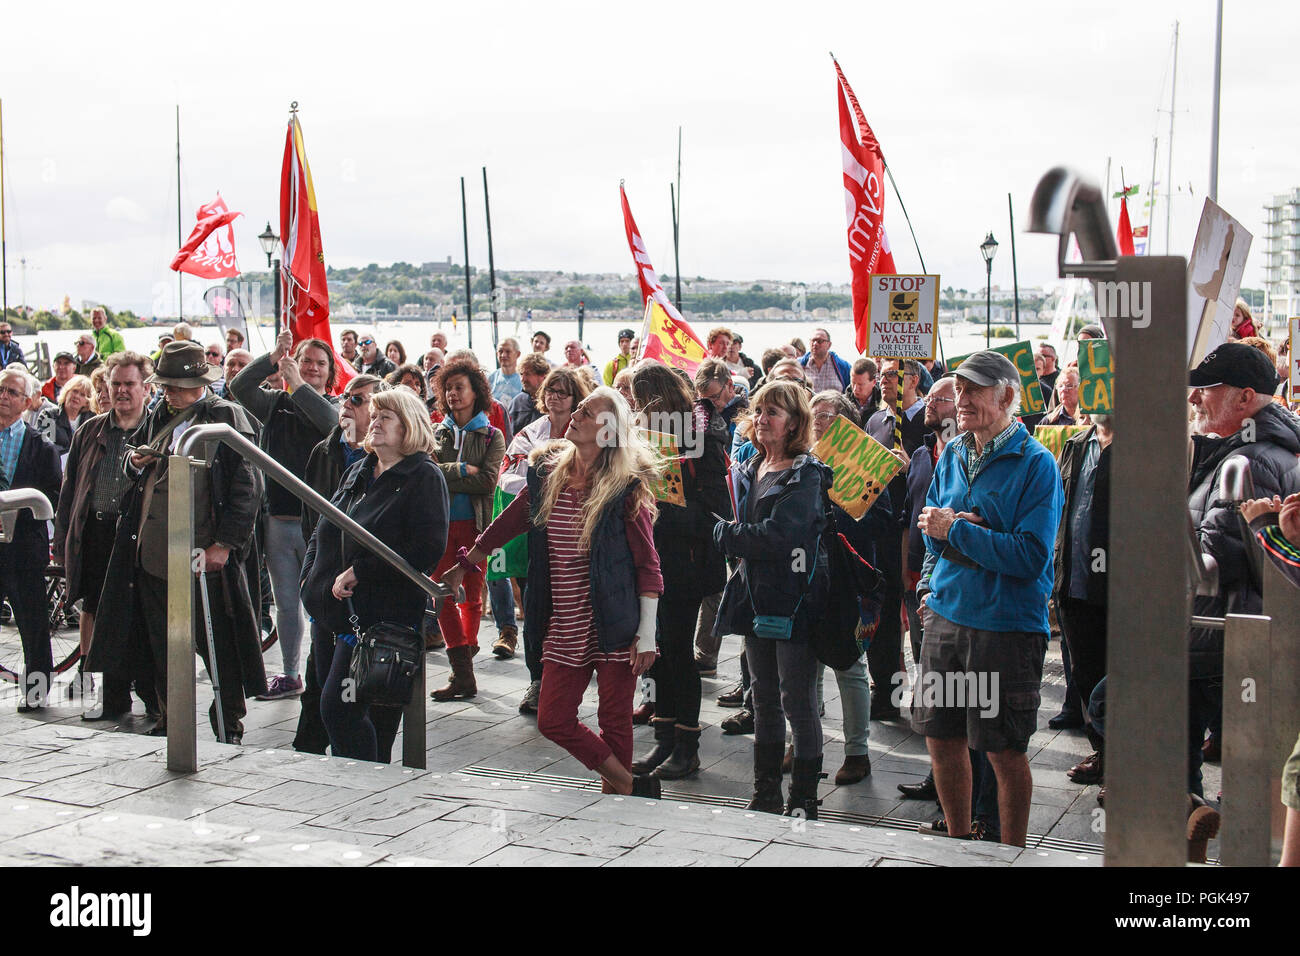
293 423
778 589
398 495
74 411
691 566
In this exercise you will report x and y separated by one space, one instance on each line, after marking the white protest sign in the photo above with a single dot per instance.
904 317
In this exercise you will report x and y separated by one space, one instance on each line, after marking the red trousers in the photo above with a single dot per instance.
561 696
459 622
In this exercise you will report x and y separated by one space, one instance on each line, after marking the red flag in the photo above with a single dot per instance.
864 203
306 296
209 252
1125 230
665 335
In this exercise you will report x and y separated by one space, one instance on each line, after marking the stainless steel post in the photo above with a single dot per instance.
1282 605
182 746
1146 699
1247 746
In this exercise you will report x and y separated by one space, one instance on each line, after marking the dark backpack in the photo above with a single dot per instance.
851 614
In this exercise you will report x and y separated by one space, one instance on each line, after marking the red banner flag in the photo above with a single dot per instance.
864 203
209 252
306 295
1125 230
665 335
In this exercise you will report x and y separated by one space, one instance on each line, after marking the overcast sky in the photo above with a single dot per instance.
562 100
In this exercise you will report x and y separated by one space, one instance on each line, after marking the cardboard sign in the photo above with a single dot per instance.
904 317
1022 357
863 467
1096 391
1294 325
1054 437
1214 272
669 487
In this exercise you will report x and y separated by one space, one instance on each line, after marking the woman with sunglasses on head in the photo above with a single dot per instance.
558 396
294 420
778 589
593 576
468 449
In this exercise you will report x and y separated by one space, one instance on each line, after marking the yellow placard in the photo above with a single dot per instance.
863 467
1054 437
669 487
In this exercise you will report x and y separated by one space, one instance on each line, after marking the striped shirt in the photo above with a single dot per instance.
571 636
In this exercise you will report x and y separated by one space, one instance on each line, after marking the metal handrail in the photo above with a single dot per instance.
15 500
206 434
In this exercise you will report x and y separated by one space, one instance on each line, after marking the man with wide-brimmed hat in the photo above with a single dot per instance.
227 495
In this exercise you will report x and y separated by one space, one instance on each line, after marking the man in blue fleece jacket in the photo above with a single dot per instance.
990 526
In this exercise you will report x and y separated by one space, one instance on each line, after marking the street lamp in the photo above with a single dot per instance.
987 249
270 241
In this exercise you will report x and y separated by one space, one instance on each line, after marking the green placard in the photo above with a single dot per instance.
1054 437
1022 357
863 467
1096 389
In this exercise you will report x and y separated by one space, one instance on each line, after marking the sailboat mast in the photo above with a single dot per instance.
1169 175
4 254
469 292
1151 193
1214 127
492 269
180 299
677 203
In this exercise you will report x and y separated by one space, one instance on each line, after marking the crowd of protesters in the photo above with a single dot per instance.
537 483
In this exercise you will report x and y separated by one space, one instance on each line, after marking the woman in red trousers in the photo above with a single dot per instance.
593 580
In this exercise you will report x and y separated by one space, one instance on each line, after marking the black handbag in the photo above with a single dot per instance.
385 660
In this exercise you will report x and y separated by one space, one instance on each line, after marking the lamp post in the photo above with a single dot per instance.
987 249
270 241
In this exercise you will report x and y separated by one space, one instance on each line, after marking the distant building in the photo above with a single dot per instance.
437 268
1282 255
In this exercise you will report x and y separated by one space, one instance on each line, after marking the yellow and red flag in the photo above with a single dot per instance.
306 295
864 204
665 336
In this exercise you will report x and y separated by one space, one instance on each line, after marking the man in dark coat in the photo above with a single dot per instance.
27 461
227 496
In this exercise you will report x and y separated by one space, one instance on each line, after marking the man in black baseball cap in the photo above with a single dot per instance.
624 357
1231 393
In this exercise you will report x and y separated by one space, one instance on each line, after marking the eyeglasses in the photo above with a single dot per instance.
6 331
357 399
367 341
825 416
12 392
213 353
937 400
557 393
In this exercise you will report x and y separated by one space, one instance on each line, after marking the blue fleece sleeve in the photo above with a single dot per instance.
1026 549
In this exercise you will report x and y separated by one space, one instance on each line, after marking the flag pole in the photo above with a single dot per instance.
492 272
4 253
180 298
469 295
899 196
1015 279
676 197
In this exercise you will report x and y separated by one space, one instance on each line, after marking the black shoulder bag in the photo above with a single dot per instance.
385 660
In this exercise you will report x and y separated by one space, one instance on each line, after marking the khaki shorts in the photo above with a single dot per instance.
1291 779
981 685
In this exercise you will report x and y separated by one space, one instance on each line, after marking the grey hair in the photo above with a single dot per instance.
1014 410
30 383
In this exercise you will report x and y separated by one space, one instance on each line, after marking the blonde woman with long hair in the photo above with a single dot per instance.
593 578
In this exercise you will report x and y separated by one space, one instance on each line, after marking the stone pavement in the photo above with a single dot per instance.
494 792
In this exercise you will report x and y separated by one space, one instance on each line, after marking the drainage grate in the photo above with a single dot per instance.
1034 841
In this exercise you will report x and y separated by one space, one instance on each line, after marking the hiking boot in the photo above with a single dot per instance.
281 687
741 722
664 738
529 703
462 685
504 648
685 759
733 698
855 768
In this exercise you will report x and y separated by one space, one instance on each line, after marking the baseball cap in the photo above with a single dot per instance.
987 367
65 356
1240 366
626 334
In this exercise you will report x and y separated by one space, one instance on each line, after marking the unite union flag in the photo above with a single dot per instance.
209 252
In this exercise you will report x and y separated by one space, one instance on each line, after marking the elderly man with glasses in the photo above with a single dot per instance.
11 352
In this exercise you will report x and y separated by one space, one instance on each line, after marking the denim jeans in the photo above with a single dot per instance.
784 683
285 553
501 598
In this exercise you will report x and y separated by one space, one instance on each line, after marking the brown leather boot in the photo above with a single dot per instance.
462 684
504 648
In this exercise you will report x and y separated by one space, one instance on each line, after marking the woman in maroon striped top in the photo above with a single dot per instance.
593 579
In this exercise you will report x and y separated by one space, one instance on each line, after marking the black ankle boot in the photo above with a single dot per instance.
767 777
645 787
804 777
685 759
664 738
